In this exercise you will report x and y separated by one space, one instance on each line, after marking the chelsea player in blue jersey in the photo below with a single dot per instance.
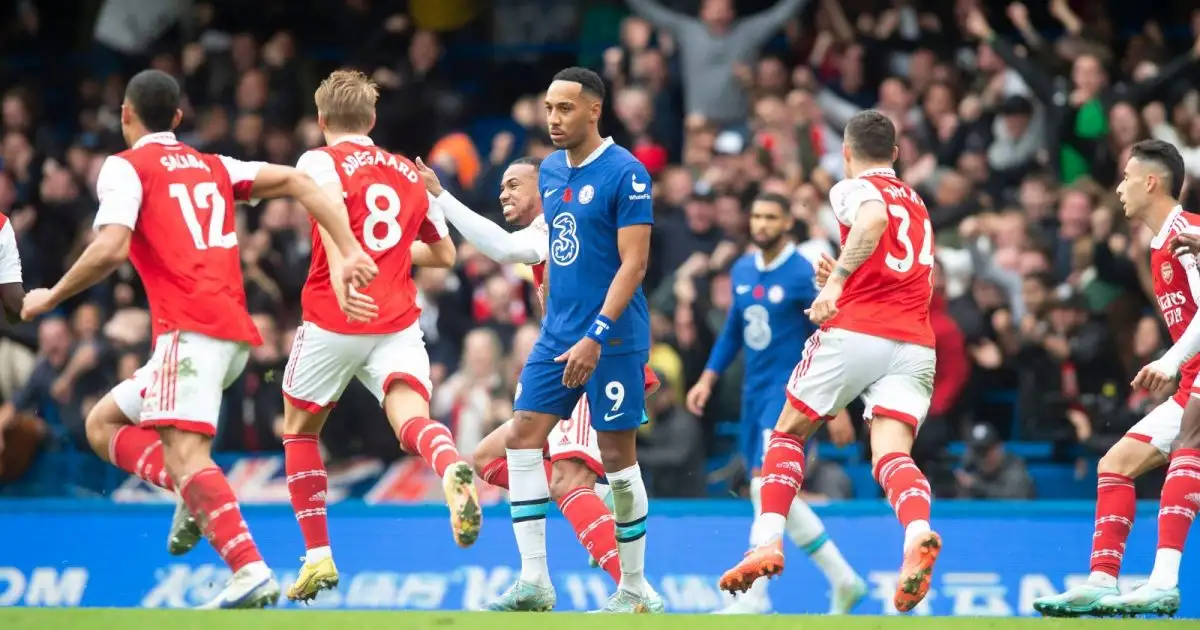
771 289
595 339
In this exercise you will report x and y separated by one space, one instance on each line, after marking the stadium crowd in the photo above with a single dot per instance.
1015 124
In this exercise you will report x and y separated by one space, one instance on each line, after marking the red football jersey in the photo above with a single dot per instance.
388 208
888 295
179 203
1177 289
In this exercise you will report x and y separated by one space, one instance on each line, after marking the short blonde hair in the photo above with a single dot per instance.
346 100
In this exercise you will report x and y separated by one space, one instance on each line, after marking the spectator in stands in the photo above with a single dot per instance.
715 50
671 447
989 471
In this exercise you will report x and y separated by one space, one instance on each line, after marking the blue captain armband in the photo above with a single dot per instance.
600 329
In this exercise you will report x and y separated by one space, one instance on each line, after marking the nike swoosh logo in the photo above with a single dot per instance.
549 192
608 417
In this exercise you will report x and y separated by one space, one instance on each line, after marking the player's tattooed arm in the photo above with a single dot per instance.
869 223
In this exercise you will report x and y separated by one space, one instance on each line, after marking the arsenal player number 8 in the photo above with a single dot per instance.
387 214
205 196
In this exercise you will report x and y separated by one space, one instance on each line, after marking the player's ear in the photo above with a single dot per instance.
895 154
177 119
126 114
597 109
372 125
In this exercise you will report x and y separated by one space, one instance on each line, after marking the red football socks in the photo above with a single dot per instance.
139 452
1180 499
432 441
1116 504
209 497
905 485
595 527
782 473
307 485
496 472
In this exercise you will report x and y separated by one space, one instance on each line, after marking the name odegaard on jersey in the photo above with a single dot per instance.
173 162
377 157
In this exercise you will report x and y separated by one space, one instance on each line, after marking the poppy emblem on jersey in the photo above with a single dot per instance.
775 294
586 193
758 291
567 195
1167 272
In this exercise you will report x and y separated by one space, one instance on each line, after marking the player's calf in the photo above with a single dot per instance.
488 459
407 410
210 498
572 487
909 494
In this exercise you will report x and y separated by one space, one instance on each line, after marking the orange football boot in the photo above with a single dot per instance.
762 561
917 571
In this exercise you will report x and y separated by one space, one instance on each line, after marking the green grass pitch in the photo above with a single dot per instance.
112 619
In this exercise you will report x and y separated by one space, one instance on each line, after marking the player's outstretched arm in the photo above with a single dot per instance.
274 180
433 248
725 350
490 239
868 220
104 255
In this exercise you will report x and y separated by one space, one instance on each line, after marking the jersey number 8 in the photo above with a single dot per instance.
205 196
386 213
905 263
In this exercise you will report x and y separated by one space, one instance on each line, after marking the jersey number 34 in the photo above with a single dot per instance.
904 262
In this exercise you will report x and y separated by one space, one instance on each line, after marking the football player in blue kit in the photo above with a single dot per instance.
772 287
596 198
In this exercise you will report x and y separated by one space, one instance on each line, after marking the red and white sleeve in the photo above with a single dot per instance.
119 190
242 175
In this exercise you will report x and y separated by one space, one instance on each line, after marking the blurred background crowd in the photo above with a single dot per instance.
1015 122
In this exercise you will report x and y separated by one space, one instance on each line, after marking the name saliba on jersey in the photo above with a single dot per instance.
375 157
175 161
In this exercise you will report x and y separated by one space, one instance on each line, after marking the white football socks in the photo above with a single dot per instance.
529 501
631 505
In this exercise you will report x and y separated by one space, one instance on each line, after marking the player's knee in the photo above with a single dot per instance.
185 453
102 423
528 431
297 421
795 422
481 459
1130 458
567 475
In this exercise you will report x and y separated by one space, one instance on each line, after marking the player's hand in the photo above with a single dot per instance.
358 307
1186 243
1156 378
825 306
697 398
581 361
358 270
824 268
433 185
37 302
841 429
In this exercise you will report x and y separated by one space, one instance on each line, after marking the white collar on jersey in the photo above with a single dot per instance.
1164 232
162 137
785 254
883 172
608 142
356 139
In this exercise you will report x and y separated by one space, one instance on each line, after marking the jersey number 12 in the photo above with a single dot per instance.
204 196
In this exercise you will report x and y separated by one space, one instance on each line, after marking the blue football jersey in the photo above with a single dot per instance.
584 207
767 319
